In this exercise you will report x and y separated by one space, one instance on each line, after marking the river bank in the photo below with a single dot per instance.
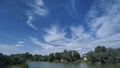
24 65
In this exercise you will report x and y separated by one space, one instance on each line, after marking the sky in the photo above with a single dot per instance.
49 26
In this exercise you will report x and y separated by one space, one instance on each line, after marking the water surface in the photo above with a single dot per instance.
69 65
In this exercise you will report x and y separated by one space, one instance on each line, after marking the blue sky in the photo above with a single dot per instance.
46 26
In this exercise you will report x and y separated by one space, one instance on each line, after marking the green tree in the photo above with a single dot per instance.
75 55
57 56
90 57
100 49
51 57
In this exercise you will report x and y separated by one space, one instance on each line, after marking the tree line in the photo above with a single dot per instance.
99 55
104 55
17 59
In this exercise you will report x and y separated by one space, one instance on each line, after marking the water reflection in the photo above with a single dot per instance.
68 65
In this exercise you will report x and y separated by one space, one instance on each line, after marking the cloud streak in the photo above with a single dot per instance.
104 23
104 18
29 22
80 41
54 34
38 9
43 45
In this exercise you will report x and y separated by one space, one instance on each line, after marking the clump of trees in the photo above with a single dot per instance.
104 55
66 56
4 60
18 59
14 59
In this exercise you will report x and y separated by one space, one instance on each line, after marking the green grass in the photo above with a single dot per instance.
15 66
18 66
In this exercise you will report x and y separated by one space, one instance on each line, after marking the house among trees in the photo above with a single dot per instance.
85 57
67 56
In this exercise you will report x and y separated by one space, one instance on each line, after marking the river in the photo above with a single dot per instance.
34 64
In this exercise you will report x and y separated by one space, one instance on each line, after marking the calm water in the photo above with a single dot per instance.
68 65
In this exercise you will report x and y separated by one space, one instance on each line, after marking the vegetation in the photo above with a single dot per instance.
18 66
66 56
13 61
104 55
19 60
99 55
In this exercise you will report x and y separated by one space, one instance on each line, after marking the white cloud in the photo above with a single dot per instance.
47 51
79 33
46 48
54 34
57 42
11 49
104 18
104 24
111 41
38 8
43 45
29 22
71 44
80 41
20 44
39 2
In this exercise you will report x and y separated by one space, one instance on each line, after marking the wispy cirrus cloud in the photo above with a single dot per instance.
43 45
80 43
55 41
53 34
30 23
38 8
47 48
104 30
104 18
79 33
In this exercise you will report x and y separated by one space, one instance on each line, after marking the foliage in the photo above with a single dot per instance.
51 57
66 56
99 55
19 59
104 55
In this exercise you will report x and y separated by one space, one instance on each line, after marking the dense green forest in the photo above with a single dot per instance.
104 55
99 55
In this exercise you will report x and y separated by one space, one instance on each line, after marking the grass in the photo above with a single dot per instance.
18 66
15 66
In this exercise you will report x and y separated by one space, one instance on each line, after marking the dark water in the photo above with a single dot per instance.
69 65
